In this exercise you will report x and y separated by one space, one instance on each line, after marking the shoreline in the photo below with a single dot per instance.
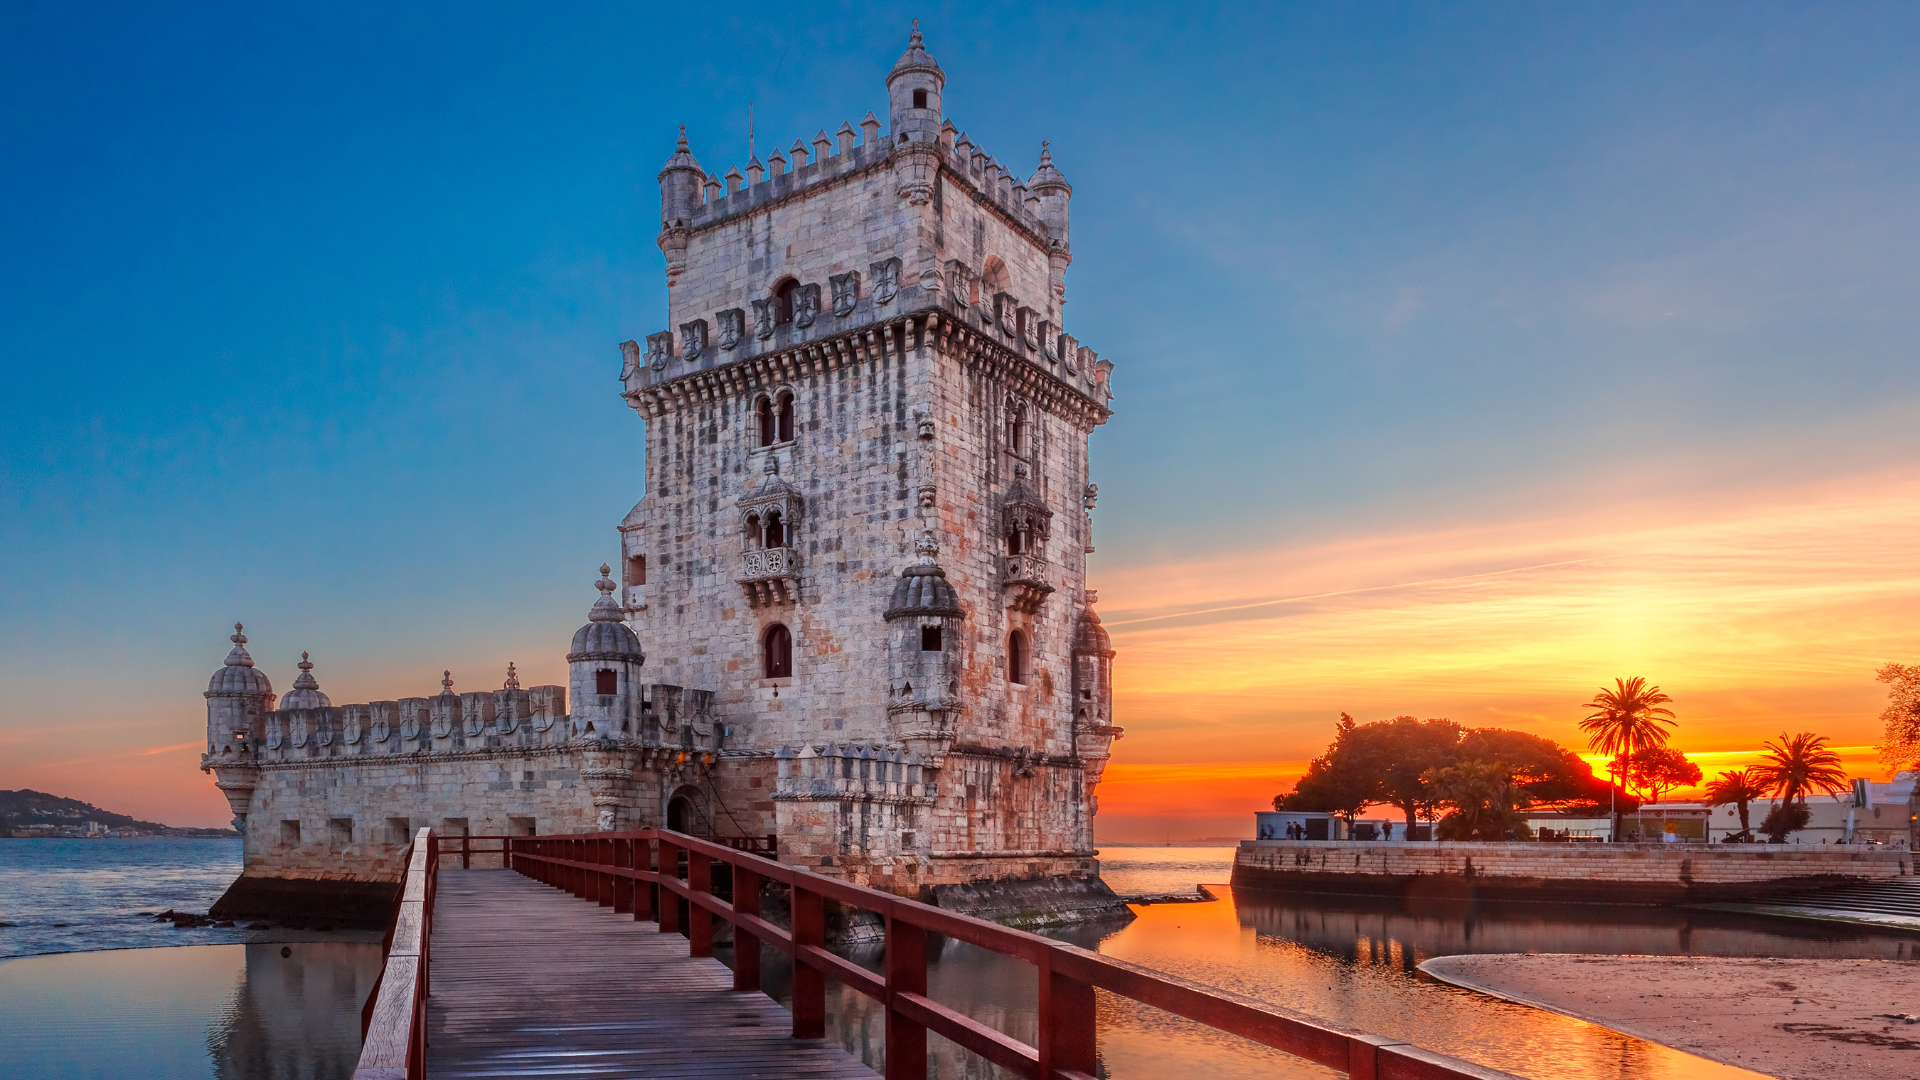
1793 1018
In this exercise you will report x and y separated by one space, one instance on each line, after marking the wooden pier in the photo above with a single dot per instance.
571 961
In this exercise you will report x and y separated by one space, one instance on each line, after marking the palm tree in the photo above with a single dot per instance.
1736 787
1800 764
1625 719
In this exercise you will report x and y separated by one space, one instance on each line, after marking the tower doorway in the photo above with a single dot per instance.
686 815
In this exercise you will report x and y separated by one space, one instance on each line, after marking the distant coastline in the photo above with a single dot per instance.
36 815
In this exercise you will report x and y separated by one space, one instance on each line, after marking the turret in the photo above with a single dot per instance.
238 698
604 665
925 627
681 181
913 93
1048 192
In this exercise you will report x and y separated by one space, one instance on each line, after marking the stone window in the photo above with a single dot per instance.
1017 657
519 826
290 833
340 831
783 417
776 653
636 569
783 301
776 530
1016 429
1016 542
399 831
606 682
454 826
930 639
919 99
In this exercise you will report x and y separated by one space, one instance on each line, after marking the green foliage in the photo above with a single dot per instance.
1482 794
1626 720
1738 788
1800 764
1900 746
1784 818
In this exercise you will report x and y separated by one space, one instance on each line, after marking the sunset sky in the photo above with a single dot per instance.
1469 356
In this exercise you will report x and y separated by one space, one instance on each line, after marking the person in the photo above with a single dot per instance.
1387 832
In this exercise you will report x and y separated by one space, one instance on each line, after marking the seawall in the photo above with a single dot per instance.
1558 873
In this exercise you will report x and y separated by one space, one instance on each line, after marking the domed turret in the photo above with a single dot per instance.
913 93
925 629
604 668
238 675
1090 638
923 588
1053 193
306 691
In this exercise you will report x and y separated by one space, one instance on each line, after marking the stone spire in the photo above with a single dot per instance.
513 678
306 689
606 609
446 683
239 656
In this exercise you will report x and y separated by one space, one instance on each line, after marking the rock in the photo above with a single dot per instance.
225 923
143 914
259 926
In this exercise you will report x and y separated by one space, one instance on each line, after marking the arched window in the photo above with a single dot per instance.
783 301
1017 657
1016 542
1017 430
606 682
776 653
776 530
763 414
919 99
756 532
783 418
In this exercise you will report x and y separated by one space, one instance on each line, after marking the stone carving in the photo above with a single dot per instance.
806 305
410 725
659 347
1091 496
323 730
928 497
886 280
350 725
960 281
1029 327
1004 306
693 339
846 292
1049 343
274 738
733 327
382 729
630 363
763 318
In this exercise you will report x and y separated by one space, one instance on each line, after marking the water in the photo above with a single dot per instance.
1350 962
239 1010
90 988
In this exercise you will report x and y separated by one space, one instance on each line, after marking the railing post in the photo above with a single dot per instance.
746 947
466 852
1067 1038
643 891
669 902
906 974
809 986
603 881
623 886
699 919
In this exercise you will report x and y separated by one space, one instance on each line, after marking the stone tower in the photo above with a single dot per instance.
866 520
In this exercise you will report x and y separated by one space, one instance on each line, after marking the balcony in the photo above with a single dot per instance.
770 576
1024 577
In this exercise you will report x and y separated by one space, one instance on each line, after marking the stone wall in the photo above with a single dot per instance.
1576 873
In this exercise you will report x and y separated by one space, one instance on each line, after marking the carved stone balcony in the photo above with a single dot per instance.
1024 577
770 576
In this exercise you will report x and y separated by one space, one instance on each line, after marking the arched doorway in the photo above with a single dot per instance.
679 814
686 814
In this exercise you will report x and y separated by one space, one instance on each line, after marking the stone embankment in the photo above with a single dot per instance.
1565 873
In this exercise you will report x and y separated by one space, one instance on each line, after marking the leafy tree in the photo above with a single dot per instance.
1798 765
1398 754
1661 769
1335 783
1901 746
1625 720
1738 788
1482 796
1785 818
1540 770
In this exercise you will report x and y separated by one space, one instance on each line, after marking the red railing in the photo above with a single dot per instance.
634 872
463 846
393 1023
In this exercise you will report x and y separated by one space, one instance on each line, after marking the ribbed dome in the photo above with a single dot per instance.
606 635
1046 176
923 590
306 690
682 156
1090 638
916 58
239 676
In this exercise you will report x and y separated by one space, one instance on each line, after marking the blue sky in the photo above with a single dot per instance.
310 314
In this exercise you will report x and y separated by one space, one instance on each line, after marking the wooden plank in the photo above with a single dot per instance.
384 1055
530 981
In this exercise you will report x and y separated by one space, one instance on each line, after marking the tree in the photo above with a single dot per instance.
1540 770
1738 788
1397 754
1625 720
1785 818
1661 769
1901 748
1481 794
1798 765
1333 783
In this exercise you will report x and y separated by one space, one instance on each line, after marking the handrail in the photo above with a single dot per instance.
393 1024
639 872
462 845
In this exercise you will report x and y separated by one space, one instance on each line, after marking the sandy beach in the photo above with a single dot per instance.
1798 1019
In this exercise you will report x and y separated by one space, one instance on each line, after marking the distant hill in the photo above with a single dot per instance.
26 807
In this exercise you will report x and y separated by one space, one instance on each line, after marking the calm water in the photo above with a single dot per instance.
229 1008
243 1011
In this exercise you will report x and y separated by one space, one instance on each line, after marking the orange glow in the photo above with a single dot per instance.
1759 615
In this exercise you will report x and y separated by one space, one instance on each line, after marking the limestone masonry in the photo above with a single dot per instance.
852 607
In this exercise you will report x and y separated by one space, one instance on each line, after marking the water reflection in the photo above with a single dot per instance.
1354 962
209 1012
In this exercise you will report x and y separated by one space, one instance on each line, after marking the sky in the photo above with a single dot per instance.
1469 356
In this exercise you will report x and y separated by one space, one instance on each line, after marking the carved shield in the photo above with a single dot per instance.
763 318
733 326
886 280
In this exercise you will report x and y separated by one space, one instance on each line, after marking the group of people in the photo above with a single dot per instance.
1297 830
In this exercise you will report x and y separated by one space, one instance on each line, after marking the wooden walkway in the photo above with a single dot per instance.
529 981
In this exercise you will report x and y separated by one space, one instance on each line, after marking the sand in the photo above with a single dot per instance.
1798 1019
